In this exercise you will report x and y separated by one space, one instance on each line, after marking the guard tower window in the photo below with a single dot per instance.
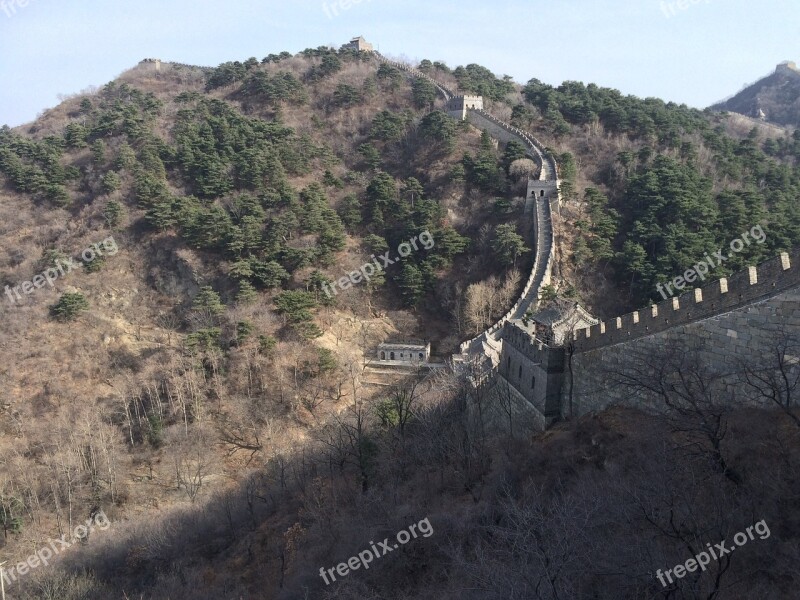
542 194
519 372
533 382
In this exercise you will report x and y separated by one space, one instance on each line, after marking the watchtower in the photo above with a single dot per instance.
458 106
154 63
359 44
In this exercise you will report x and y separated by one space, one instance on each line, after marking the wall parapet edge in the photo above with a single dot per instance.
773 276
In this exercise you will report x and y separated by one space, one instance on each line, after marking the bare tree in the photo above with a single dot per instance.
772 373
695 400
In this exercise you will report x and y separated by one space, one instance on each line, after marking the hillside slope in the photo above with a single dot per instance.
776 97
190 376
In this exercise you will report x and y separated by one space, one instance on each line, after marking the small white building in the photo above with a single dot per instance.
411 352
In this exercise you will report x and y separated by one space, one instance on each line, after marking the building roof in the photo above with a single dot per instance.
558 311
405 343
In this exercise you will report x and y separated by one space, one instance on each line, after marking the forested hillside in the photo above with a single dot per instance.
201 387
661 185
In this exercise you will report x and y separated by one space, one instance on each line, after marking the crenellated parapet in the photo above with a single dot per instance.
549 359
549 171
745 287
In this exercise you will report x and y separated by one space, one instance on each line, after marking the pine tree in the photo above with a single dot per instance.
411 284
207 303
508 245
69 306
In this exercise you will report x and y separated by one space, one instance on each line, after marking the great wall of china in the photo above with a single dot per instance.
727 322
542 195
539 382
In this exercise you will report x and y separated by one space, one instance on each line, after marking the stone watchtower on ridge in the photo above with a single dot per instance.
787 68
154 63
458 106
359 44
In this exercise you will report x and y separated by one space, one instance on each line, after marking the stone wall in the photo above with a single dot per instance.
445 91
543 233
534 370
742 288
726 323
722 341
505 132
471 107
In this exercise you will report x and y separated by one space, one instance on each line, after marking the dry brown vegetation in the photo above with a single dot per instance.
112 410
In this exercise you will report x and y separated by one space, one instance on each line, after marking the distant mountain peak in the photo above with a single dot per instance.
774 98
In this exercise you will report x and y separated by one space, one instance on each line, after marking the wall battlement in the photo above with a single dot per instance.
549 359
745 287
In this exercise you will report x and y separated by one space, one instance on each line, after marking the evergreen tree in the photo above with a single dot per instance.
411 284
507 245
69 306
207 303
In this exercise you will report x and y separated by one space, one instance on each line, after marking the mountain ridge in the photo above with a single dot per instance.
774 98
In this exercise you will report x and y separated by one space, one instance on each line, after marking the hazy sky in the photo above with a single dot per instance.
697 54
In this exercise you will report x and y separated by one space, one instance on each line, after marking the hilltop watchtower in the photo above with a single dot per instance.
458 106
787 68
154 63
359 44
